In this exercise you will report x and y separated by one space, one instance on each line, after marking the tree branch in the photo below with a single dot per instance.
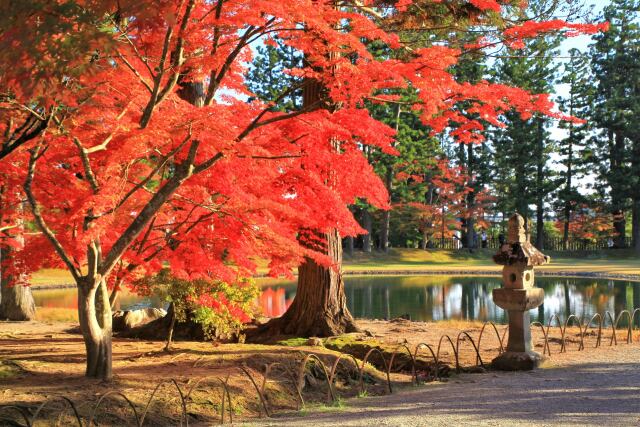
35 154
87 166
183 171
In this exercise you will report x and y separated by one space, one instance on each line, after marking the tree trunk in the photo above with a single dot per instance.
618 193
386 215
635 224
367 225
16 301
113 298
384 231
539 187
320 306
94 313
350 245
471 233
470 223
425 239
620 227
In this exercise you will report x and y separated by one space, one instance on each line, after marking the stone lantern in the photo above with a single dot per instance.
518 295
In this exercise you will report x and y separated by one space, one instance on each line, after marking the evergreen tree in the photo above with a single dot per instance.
267 79
472 157
524 176
574 149
616 69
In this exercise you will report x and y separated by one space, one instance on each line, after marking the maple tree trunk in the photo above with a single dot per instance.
319 308
94 313
16 301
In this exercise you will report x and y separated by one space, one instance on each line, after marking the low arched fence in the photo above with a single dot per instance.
224 411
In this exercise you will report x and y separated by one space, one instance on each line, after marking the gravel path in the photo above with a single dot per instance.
594 387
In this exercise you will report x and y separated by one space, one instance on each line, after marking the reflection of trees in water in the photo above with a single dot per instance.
427 298
470 297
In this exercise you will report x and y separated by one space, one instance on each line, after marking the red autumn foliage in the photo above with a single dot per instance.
130 177
588 223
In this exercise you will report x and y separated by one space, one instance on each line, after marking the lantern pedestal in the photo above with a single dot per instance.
517 297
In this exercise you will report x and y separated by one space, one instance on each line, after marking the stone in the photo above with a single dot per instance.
518 295
315 342
518 299
124 321
517 361
516 232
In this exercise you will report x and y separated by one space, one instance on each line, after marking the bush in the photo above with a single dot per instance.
221 308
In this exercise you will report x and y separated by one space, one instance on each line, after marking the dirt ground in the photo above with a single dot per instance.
40 361
595 387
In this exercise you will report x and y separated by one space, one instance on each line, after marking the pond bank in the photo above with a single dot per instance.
433 272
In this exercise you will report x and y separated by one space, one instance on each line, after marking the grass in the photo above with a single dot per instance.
408 260
51 314
51 276
423 262
294 342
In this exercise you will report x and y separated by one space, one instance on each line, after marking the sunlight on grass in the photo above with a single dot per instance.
51 276
407 260
50 314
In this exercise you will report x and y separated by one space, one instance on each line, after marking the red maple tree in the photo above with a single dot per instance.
152 156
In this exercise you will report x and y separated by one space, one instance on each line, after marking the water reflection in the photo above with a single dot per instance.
68 298
433 298
426 298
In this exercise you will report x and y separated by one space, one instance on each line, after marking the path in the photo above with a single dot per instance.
579 388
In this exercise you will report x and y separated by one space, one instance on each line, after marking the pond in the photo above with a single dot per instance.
425 298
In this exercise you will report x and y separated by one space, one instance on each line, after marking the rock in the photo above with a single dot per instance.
368 333
315 342
126 320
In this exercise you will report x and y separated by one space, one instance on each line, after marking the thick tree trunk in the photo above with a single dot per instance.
94 313
620 228
320 306
470 233
16 301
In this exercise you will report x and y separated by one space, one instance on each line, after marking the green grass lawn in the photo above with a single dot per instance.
613 262
419 261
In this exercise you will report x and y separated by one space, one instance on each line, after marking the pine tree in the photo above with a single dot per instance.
524 176
616 67
574 149
268 80
471 68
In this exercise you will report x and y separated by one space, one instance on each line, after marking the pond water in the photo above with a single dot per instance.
426 298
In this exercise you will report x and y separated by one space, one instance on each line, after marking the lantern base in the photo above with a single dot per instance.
517 361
